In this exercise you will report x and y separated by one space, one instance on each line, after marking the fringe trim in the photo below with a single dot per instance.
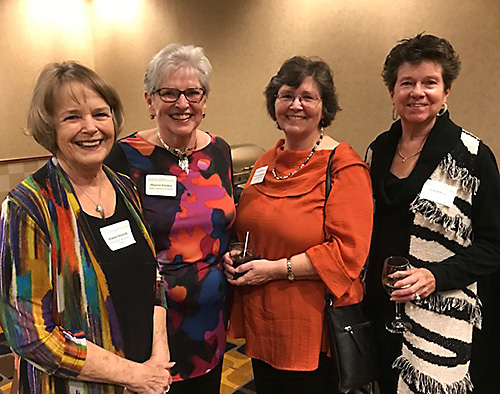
430 211
468 182
426 384
439 304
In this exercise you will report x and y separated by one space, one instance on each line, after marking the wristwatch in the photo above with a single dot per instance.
289 271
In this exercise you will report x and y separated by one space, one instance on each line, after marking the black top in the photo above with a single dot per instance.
131 276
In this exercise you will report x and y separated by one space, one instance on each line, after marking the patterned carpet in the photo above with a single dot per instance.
237 374
6 365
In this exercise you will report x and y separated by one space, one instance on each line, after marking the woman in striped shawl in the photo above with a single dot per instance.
437 193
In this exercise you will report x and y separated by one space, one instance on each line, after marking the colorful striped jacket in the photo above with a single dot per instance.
53 293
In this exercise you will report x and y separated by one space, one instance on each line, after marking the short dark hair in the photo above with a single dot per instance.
420 48
52 78
293 72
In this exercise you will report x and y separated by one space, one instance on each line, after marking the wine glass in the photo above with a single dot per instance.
393 264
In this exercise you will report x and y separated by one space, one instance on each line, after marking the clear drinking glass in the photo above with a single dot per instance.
240 253
393 264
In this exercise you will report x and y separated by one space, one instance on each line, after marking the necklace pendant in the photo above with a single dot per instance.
100 210
184 164
403 159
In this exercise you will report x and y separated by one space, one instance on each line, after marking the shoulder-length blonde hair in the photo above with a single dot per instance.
48 85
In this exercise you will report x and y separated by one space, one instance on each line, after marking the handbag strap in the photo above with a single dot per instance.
328 186
328 189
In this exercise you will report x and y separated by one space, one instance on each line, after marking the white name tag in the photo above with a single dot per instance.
161 185
258 175
118 235
439 192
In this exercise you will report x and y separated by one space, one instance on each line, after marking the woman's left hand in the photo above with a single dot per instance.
160 364
255 272
420 281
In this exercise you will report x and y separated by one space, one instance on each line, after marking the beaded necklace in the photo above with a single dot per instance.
280 178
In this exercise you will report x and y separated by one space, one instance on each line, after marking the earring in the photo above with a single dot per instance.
443 110
204 114
395 115
151 116
278 125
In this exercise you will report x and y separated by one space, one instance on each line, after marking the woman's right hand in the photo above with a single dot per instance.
258 272
151 377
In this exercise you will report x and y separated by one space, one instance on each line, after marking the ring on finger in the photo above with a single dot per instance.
417 297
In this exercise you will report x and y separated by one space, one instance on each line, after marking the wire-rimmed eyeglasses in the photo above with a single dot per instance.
171 95
306 100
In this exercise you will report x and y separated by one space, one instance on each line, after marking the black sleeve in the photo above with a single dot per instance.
483 256
117 160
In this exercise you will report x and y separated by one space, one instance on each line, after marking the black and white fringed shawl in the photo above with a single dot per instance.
436 353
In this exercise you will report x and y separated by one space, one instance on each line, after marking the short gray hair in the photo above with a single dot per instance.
173 57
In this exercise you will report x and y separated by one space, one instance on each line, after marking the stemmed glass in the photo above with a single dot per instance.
391 265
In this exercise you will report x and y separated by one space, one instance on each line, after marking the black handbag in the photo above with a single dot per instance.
352 342
352 345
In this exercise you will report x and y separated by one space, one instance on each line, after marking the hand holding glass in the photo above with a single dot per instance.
391 265
240 254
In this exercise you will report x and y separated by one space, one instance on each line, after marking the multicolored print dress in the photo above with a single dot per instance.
191 231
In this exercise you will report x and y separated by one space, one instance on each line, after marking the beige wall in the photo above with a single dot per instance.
246 41
29 39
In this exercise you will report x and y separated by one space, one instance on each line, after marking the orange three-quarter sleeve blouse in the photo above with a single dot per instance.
283 321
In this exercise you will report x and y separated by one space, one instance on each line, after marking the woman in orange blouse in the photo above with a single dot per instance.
304 245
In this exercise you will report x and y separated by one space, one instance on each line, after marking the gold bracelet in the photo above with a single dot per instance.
289 271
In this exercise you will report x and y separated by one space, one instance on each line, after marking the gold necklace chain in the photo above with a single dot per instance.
182 155
280 178
404 158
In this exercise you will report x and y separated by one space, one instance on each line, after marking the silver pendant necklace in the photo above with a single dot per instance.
100 210
280 178
98 207
182 155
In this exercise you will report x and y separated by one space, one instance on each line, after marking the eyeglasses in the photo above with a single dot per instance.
171 95
306 100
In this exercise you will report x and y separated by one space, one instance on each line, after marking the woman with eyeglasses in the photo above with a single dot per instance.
184 176
306 244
